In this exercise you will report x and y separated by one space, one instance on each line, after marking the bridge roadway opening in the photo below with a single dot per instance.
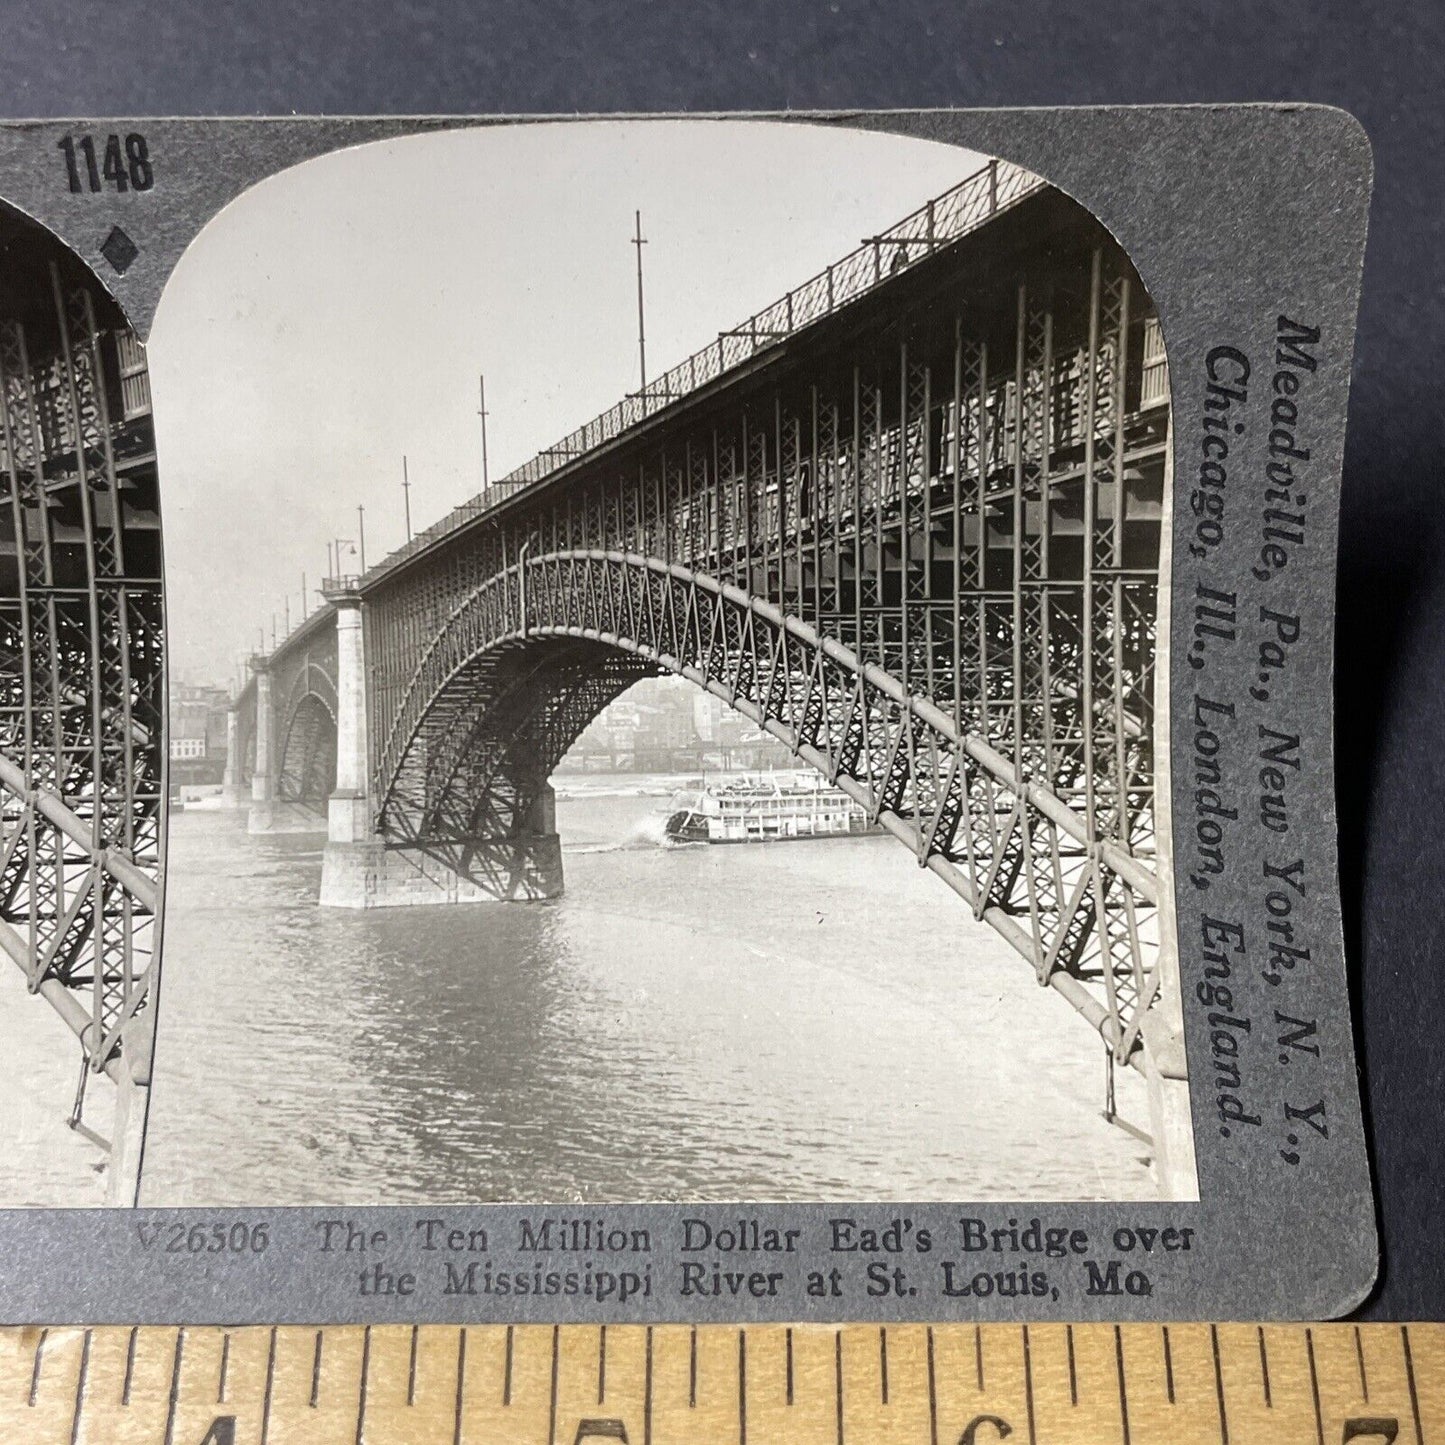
908 519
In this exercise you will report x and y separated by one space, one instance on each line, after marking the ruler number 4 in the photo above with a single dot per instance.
222 1431
123 163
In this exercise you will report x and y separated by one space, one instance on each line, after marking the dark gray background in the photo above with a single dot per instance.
1383 62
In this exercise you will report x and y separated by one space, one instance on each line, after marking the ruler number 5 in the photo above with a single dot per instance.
126 165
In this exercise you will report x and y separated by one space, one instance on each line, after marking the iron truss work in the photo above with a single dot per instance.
973 203
916 539
483 774
82 680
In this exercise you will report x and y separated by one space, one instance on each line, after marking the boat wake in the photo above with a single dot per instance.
648 832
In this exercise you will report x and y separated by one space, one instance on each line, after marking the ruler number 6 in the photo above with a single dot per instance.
125 165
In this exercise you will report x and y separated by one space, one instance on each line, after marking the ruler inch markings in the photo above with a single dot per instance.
1315 1386
270 1388
1410 1377
1123 1384
1219 1383
932 1393
1029 1387
806 1384
173 1399
80 1387
647 1394
35 1373
224 1369
461 1384
129 1365
361 1402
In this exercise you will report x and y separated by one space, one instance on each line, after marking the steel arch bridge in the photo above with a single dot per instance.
908 520
82 730
287 714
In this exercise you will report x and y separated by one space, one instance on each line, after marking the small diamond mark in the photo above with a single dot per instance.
119 250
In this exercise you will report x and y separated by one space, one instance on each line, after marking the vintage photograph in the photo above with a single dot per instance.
660 693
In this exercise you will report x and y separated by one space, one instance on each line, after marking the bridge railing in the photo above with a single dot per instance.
938 222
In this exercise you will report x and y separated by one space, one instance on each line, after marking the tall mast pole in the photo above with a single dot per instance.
406 496
640 241
361 533
482 412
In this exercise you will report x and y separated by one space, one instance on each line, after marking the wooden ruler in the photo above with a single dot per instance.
764 1385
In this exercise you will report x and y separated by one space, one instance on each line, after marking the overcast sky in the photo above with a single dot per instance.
337 317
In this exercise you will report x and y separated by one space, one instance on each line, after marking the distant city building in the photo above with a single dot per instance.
198 734
668 725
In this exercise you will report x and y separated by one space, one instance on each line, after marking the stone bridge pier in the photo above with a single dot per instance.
363 869
263 778
233 787
281 740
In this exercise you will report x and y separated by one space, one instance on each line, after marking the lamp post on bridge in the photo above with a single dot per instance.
334 552
482 412
361 534
639 240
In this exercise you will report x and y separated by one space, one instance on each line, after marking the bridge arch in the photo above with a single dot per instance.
493 732
287 735
1005 839
241 766
306 771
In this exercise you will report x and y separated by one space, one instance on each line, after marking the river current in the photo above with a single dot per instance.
787 1021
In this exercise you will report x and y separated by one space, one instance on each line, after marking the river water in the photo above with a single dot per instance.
788 1021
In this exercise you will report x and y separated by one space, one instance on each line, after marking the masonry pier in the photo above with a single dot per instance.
362 870
234 792
263 778
272 808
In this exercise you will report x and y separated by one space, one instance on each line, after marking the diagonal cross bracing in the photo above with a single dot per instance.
81 662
